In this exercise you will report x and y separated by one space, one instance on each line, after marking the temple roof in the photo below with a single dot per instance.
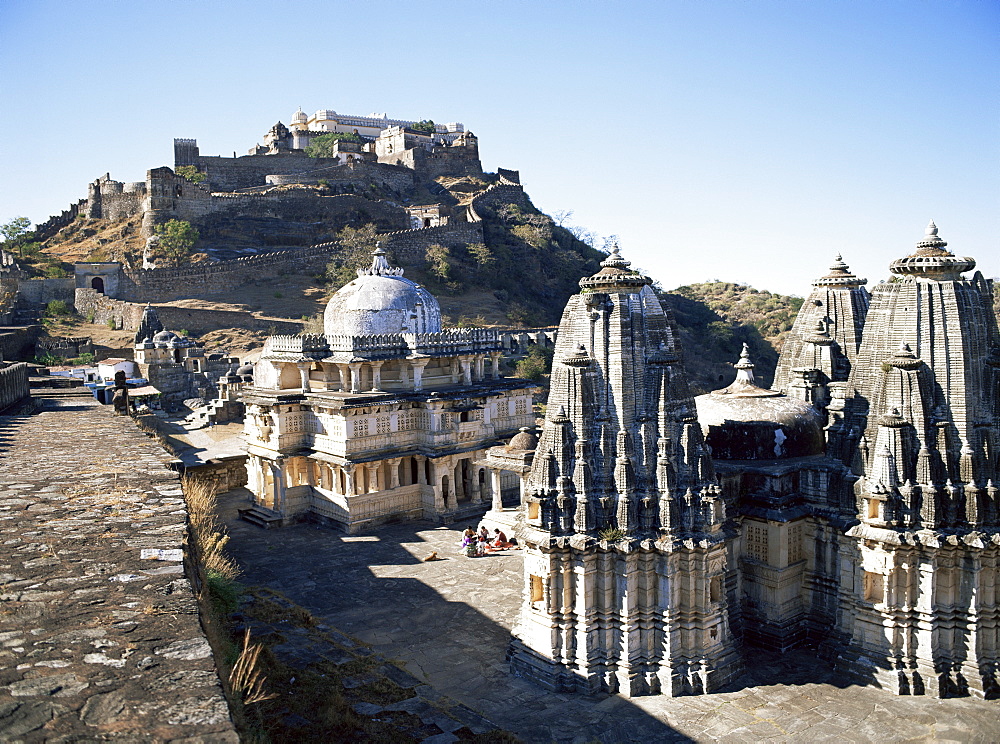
381 301
932 260
614 276
840 275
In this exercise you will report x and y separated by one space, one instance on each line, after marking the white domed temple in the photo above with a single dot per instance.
383 417
853 507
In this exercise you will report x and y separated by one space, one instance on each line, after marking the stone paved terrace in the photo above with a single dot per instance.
97 643
449 622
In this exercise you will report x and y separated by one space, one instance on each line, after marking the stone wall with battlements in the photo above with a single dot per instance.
100 628
409 247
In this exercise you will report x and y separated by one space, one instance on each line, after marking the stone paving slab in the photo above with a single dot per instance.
448 622
96 642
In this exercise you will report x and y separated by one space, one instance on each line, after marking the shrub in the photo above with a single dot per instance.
324 145
190 173
611 534
111 324
57 307
536 365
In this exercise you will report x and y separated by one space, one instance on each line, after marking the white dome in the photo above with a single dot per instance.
299 117
381 301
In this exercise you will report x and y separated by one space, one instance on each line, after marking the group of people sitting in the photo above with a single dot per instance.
478 544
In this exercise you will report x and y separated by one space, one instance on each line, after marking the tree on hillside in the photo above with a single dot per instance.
15 234
355 247
324 145
177 239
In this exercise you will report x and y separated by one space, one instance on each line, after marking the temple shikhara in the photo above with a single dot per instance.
853 506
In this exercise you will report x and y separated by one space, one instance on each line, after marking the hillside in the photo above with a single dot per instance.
715 319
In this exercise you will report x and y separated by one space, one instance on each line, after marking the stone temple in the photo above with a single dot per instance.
852 508
383 417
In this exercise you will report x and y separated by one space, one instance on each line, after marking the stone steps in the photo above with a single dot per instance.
261 517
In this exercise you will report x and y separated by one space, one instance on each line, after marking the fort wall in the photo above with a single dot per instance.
42 291
128 315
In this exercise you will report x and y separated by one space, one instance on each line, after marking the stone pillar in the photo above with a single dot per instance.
304 375
373 484
350 480
466 363
418 373
495 364
393 465
524 486
480 366
436 474
496 490
404 377
355 368
278 485
376 377
345 377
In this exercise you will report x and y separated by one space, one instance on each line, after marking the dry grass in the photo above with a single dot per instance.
206 530
247 679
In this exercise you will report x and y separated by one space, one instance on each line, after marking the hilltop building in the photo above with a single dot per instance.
852 506
383 417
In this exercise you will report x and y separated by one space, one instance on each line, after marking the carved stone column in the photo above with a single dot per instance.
418 373
466 363
393 466
497 492
376 376
304 375
495 364
373 484
355 368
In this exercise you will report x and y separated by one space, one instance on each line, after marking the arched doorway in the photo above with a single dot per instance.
97 284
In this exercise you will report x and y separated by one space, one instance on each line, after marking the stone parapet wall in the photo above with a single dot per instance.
13 385
100 628
100 309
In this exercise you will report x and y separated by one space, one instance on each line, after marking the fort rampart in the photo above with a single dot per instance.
128 315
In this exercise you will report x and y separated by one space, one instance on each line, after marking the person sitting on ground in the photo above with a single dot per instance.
500 540
484 534
469 540
482 545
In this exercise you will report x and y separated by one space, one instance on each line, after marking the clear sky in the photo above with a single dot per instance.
743 141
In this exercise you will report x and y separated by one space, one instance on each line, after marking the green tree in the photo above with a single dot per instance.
324 145
438 262
355 247
190 173
536 364
15 234
424 125
177 239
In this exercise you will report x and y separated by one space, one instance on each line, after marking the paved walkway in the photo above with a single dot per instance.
449 622
99 632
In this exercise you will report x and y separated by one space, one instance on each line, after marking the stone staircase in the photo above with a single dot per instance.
261 516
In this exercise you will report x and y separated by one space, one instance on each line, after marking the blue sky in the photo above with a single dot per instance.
742 141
